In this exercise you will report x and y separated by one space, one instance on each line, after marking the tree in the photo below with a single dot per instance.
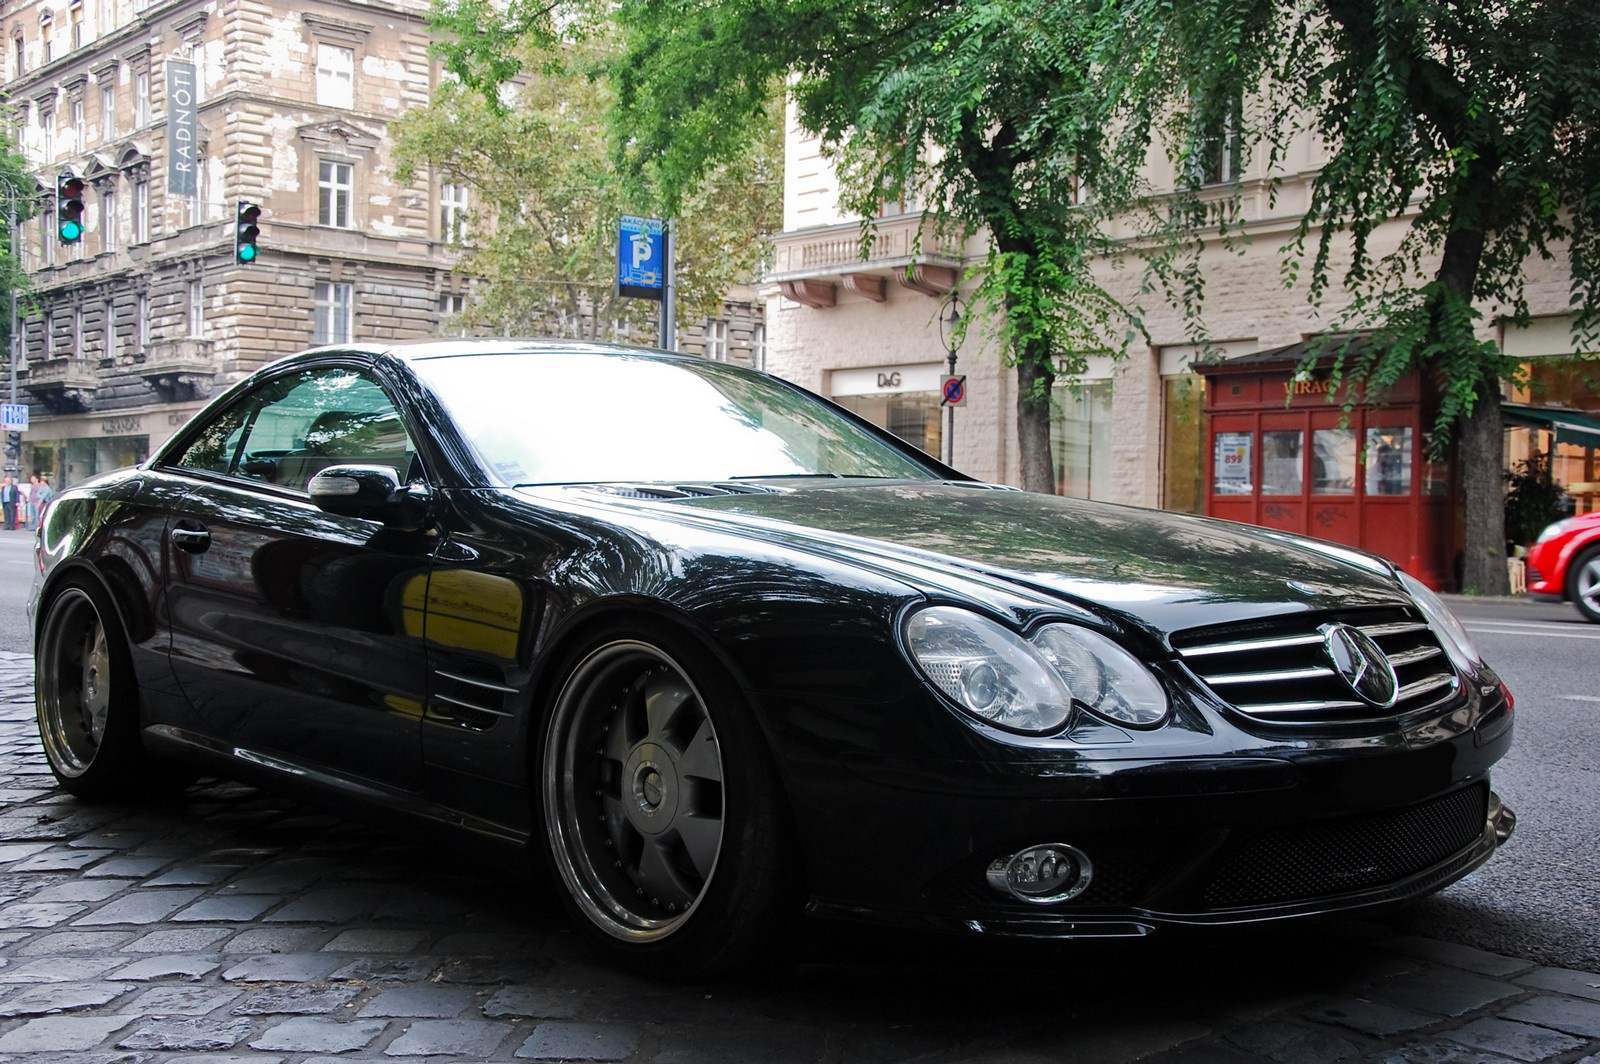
525 131
1478 123
980 112
20 193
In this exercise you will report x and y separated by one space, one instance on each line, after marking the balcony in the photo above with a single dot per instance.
810 265
62 385
179 370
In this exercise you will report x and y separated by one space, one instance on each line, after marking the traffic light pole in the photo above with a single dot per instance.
669 290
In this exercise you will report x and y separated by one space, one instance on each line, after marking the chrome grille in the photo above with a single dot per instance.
1280 673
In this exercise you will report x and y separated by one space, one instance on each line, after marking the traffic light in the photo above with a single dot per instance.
69 208
245 232
13 445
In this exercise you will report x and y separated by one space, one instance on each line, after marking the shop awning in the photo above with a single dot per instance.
1580 430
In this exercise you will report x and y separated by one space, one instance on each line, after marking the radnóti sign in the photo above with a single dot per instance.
641 258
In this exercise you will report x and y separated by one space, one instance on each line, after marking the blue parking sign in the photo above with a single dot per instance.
641 257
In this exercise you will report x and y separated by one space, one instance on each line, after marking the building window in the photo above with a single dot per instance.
108 220
451 306
717 341
1183 443
47 234
49 335
77 26
453 213
102 18
19 56
108 330
75 345
141 336
332 324
79 127
197 308
758 347
108 111
141 212
1218 156
141 99
335 187
47 131
335 76
46 45
1080 435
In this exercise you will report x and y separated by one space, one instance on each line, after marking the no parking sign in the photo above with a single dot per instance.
953 390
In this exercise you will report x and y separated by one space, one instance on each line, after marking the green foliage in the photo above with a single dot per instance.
1534 499
546 196
20 195
984 114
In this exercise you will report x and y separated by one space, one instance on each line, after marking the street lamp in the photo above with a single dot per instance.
950 337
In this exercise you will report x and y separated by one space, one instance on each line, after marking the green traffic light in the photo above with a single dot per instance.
247 253
71 230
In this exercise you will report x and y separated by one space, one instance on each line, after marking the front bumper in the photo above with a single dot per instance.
1334 866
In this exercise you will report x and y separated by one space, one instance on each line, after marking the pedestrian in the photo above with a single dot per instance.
10 495
30 511
41 498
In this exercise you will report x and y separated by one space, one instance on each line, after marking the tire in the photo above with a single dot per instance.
660 809
85 696
1583 583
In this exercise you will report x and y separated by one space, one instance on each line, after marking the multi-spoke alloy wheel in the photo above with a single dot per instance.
657 805
1585 581
83 692
634 790
74 682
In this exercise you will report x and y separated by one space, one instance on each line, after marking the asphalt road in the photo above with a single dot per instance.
1539 898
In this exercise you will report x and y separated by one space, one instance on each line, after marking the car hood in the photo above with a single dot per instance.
1167 571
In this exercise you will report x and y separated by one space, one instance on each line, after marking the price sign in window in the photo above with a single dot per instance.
1231 463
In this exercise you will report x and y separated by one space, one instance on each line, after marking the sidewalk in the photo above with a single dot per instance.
240 926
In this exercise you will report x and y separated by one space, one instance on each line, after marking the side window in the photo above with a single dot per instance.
294 427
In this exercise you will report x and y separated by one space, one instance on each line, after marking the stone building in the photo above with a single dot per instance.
172 112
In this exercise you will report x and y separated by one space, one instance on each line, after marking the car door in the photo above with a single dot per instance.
288 628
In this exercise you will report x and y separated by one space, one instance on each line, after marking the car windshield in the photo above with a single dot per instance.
592 417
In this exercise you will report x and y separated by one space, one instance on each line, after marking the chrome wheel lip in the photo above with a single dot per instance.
73 682
649 786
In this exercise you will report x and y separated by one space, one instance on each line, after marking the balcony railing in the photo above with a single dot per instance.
810 264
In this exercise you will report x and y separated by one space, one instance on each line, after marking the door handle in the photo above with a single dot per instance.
193 540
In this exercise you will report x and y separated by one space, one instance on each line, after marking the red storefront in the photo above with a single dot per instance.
1282 455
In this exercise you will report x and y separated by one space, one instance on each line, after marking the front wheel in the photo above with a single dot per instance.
660 808
1583 583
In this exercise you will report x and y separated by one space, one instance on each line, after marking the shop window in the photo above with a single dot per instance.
1282 460
1388 461
913 416
1232 463
1333 462
1183 444
1080 436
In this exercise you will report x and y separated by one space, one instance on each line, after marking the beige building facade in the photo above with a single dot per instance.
1132 429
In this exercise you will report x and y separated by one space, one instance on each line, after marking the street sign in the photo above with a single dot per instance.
641 258
953 390
15 417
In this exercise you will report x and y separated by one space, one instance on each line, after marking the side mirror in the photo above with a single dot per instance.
372 492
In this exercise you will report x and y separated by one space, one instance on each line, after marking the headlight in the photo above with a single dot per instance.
1106 679
1444 624
1552 531
1030 686
987 670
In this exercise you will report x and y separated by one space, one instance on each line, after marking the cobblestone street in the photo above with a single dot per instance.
242 926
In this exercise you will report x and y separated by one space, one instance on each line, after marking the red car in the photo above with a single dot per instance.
1565 564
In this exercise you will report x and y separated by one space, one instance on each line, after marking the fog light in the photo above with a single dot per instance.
1043 874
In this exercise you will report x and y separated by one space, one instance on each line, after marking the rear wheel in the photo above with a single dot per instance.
660 809
1583 583
84 694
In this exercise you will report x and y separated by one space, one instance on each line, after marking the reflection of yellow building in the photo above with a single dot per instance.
464 610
